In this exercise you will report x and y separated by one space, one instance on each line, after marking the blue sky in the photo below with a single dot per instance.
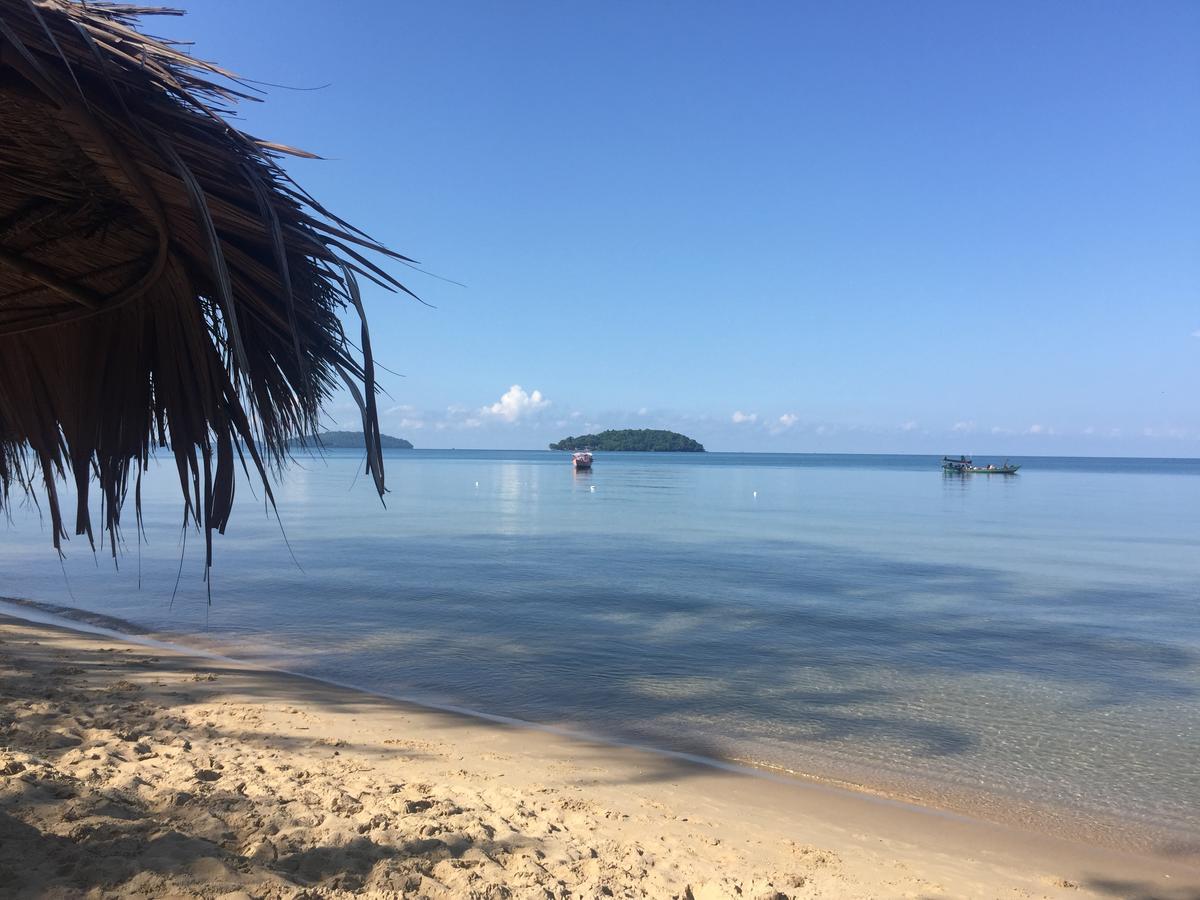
773 226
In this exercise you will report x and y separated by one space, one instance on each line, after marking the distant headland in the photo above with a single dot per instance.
643 439
348 440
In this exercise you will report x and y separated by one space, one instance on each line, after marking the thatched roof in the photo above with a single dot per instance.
163 282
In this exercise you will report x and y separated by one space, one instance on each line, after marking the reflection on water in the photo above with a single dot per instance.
1032 637
512 496
959 482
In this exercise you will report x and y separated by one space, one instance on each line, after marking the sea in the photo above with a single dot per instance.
1024 649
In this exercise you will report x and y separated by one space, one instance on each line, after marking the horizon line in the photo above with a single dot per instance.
775 453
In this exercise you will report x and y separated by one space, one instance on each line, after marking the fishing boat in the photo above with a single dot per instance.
582 460
965 466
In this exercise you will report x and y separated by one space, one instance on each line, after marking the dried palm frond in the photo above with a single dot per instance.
163 282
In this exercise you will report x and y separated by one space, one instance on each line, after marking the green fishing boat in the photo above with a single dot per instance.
965 466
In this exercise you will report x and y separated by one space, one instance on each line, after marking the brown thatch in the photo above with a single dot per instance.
163 283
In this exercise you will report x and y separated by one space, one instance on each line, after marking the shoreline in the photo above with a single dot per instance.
1136 834
723 829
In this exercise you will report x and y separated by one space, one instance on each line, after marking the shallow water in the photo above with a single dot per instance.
1024 647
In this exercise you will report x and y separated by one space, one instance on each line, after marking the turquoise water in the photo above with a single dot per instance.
1026 648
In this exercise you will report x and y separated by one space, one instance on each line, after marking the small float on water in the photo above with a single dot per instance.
582 460
965 466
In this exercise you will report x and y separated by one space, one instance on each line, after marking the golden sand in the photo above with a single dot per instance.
128 771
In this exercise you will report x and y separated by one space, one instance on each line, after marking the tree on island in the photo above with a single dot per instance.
348 440
641 439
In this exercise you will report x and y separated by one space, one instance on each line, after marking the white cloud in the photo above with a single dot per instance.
1169 431
643 411
786 422
516 403
910 425
963 426
404 416
741 418
1196 333
1039 429
458 417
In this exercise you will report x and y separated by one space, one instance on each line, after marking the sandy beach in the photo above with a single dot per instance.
130 771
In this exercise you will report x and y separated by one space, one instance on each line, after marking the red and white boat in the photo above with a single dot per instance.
582 460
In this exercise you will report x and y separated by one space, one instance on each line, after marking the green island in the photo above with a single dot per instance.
348 440
643 439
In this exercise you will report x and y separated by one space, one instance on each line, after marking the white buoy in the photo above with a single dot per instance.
592 488
756 493
477 484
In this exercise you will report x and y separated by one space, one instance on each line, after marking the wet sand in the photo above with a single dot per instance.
128 771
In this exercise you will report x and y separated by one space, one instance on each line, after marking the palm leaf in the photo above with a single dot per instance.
148 300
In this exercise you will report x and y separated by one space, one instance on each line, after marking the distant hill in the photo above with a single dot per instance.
643 439
349 440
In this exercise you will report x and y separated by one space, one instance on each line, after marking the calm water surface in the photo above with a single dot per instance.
1026 647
